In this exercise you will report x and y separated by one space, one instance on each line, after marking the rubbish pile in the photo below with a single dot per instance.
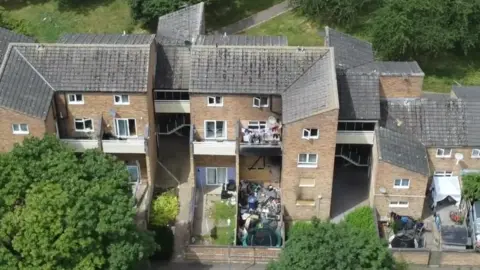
259 221
408 233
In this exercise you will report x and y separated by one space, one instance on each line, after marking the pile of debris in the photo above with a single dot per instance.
408 232
259 222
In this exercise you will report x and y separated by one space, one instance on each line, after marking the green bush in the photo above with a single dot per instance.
165 208
13 24
362 218
471 186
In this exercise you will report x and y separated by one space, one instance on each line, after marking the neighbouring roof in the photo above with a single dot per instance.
466 92
182 25
242 40
436 96
127 39
399 68
173 67
7 36
440 122
30 72
403 151
350 52
359 96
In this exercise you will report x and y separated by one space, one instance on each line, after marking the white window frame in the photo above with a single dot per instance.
216 175
121 96
398 204
75 120
115 120
215 103
259 101
19 129
307 133
215 138
307 163
476 153
442 153
76 101
258 125
401 186
443 173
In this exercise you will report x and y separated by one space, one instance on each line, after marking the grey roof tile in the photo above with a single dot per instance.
242 40
399 68
466 92
127 39
173 67
182 25
436 96
403 151
22 88
349 51
7 36
359 96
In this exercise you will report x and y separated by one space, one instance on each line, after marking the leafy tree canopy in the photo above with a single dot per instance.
165 209
471 186
321 245
59 210
148 11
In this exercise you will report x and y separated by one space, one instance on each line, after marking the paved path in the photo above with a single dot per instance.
255 19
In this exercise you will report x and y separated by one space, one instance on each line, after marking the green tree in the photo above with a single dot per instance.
148 11
321 245
165 209
471 186
59 210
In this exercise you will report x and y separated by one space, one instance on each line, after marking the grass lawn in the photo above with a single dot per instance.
46 22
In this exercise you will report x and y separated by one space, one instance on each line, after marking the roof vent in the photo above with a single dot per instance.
124 33
399 122
40 47
224 34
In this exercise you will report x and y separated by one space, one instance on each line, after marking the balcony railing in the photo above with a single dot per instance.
82 141
211 147
124 145
172 101
262 137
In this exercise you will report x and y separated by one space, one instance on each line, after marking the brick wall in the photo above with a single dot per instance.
400 87
235 107
269 173
151 155
243 255
324 147
96 104
449 164
141 158
219 161
460 258
373 172
36 127
417 256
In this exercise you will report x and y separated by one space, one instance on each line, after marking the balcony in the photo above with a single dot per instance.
211 147
128 145
350 132
81 145
172 102
85 140
260 138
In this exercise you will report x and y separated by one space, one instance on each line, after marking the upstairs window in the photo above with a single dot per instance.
310 133
442 173
401 183
83 124
476 153
75 99
307 160
20 129
259 102
398 204
215 101
255 125
215 130
121 99
444 152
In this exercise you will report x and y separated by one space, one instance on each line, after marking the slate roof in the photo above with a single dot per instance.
436 96
242 40
403 151
173 67
350 52
127 39
399 68
31 72
182 25
447 122
7 36
466 92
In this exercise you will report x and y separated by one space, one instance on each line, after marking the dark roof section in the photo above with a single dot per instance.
22 87
466 92
403 151
242 40
182 25
448 122
399 68
359 96
127 39
436 96
173 67
7 36
350 52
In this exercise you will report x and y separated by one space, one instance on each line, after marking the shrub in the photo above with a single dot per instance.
471 186
362 218
165 209
165 239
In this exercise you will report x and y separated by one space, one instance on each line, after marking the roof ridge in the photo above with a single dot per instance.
34 69
79 45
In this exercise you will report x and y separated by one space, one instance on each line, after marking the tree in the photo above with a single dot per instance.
59 210
404 29
165 209
321 245
471 186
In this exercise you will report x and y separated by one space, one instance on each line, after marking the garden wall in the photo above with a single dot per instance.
417 256
223 254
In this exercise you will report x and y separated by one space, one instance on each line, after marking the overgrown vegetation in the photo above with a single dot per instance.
223 232
362 218
165 209
471 186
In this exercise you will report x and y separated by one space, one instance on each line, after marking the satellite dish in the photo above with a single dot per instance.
272 120
382 190
458 157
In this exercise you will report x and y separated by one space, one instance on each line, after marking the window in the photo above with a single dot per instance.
171 95
215 101
398 204
442 173
260 102
75 99
125 127
83 124
307 160
134 172
444 152
20 129
307 182
257 125
476 153
216 176
310 133
215 130
401 183
121 100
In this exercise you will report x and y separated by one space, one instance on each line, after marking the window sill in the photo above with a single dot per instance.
443 157
305 203
305 186
21 133
307 165
401 187
215 105
121 104
310 138
398 206
475 157
76 103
